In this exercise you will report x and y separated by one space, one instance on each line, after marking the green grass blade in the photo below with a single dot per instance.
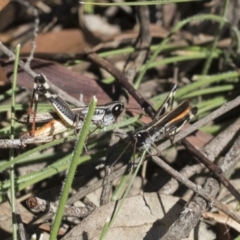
72 169
120 202
11 152
177 28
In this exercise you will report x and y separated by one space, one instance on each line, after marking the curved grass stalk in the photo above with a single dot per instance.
206 80
210 90
178 27
210 105
188 56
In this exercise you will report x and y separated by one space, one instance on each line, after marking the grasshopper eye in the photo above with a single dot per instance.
117 109
140 137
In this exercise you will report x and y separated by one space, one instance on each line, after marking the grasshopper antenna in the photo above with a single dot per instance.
124 150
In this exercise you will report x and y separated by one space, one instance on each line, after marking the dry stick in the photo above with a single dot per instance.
82 192
172 185
195 188
38 205
122 79
211 150
221 141
19 143
28 70
11 143
217 171
130 71
231 158
198 205
191 215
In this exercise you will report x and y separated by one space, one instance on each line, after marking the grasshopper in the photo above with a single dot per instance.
165 124
65 117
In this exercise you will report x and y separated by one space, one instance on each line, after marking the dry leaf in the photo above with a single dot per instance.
71 82
64 41
140 217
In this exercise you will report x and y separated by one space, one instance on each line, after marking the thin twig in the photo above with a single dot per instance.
192 214
231 158
82 192
195 188
38 205
20 143
173 185
122 79
186 222
217 171
211 150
